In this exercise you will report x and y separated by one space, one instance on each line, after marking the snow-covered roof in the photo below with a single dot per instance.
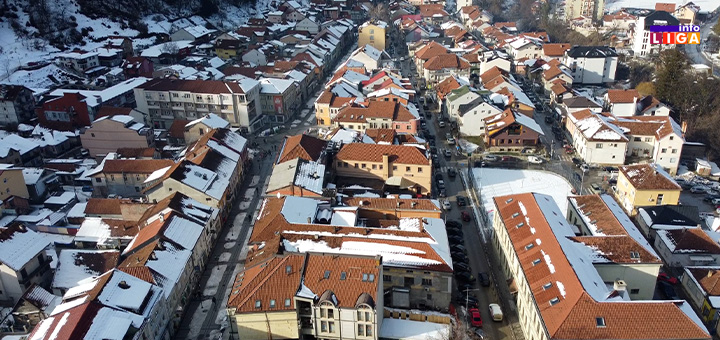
210 120
183 231
124 291
198 31
64 198
407 329
17 143
95 98
299 209
275 85
75 265
32 175
157 50
528 122
19 245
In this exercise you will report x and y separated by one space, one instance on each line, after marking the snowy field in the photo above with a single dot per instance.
501 182
614 5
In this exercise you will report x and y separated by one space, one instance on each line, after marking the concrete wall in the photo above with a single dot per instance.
108 135
12 183
637 276
438 294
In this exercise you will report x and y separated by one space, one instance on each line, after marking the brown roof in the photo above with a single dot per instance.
707 278
135 152
112 111
552 72
693 239
573 315
98 262
347 291
381 135
398 154
623 96
375 109
446 86
194 86
431 9
617 249
135 166
391 203
491 74
647 177
650 125
430 50
448 60
177 129
302 146
664 6
559 89
103 206
140 272
266 281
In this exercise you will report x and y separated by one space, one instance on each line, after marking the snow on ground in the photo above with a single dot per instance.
614 5
255 181
501 182
224 257
413 330
229 245
211 286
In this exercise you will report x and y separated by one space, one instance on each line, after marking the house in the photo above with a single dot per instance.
511 131
596 140
657 138
168 53
650 106
555 51
277 289
667 217
330 101
379 114
687 13
426 52
23 261
605 229
370 57
593 9
279 98
39 182
641 46
309 25
34 306
373 33
681 248
302 146
580 103
621 20
591 64
109 133
460 96
701 283
560 291
12 182
196 129
75 266
622 103
521 47
556 74
125 177
197 34
297 177
407 167
78 60
19 151
645 185
441 66
17 105
255 57
228 49
443 88
166 100
471 116
137 67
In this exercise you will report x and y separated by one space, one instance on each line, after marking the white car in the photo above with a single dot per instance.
446 205
534 160
584 168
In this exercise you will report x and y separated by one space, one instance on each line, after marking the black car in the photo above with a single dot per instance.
438 176
668 290
576 161
442 193
461 202
452 173
468 300
458 247
453 224
459 257
610 169
484 279
453 231
549 120
710 198
461 267
464 277
455 239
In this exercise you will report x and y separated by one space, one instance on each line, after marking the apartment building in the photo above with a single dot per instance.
596 139
593 9
645 185
165 100
373 33
17 104
591 64
658 138
558 291
401 166
110 133
641 46
125 177
279 99
379 115
23 261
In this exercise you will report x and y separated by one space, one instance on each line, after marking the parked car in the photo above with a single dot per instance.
442 193
534 160
454 231
87 188
480 334
484 279
698 189
584 168
452 173
610 169
665 277
465 216
576 161
446 205
461 202
455 239
441 123
549 119
464 299
451 140
475 318
596 187
490 158
495 312
438 176
459 257
458 248
461 267
441 184
668 290
465 277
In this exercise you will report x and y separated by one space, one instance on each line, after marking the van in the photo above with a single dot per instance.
495 312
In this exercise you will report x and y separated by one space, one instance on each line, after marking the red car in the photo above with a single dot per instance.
475 318
667 278
465 216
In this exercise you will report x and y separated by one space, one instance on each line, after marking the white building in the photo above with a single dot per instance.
596 140
642 46
658 138
165 100
592 64
687 247
23 261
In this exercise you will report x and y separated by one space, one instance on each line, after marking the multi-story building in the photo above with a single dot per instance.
645 185
79 60
596 139
642 46
109 133
622 103
511 131
591 64
17 105
658 138
12 182
279 99
406 167
379 114
373 33
23 261
441 66
125 177
559 291
593 9
165 100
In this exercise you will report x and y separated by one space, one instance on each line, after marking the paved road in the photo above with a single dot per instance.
694 51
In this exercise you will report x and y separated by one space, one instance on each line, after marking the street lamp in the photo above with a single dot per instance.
467 299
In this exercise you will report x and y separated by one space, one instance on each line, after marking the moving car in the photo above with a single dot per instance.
495 312
475 318
461 202
465 216
452 172
490 158
484 279
451 140
534 160
441 123
448 153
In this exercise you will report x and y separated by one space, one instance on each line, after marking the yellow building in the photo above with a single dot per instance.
12 182
372 33
227 49
645 185
703 289
395 165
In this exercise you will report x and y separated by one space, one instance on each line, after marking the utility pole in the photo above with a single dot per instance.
467 302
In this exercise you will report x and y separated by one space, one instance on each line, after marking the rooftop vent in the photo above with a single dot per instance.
123 285
600 322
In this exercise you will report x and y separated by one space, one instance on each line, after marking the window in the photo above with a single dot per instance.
343 276
326 275
387 278
368 330
374 166
635 291
529 246
427 282
345 165
394 167
323 326
673 151
97 180
339 164
672 137
536 262
409 281
663 150
419 170
258 304
288 269
637 139
364 277
356 165
547 285
361 330
371 278
331 326
407 169
648 139
600 321
659 199
363 165
272 303
554 301
287 302
175 95
598 146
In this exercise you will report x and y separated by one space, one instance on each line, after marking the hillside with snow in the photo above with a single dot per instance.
614 5
35 31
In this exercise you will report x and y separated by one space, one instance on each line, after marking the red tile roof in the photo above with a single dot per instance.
398 154
446 61
647 177
135 166
430 50
623 96
395 111
302 146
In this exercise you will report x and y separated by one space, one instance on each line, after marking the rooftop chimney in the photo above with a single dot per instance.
620 285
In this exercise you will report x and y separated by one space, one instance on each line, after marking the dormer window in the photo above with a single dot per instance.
520 224
554 301
288 269
600 322
515 215
272 303
529 246
343 276
258 304
536 262
326 275
547 285
634 255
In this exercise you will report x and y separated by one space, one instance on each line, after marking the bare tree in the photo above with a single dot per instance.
170 48
379 12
